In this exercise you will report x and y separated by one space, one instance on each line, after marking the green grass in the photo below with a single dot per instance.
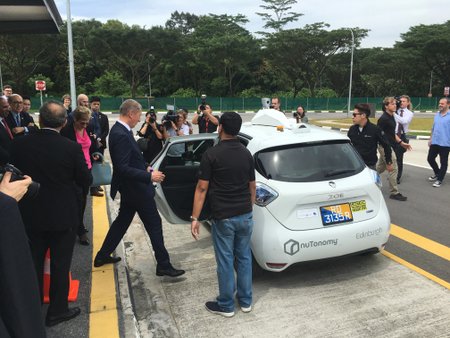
422 124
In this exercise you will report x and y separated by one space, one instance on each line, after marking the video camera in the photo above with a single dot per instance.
398 102
265 102
203 100
170 117
152 113
16 175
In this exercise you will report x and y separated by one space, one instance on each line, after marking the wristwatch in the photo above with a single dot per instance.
192 218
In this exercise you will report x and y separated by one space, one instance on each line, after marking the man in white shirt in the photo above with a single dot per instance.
403 117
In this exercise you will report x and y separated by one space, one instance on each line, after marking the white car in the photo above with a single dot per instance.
316 199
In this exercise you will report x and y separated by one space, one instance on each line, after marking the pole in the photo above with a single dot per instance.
1 78
41 98
73 92
351 74
149 77
431 83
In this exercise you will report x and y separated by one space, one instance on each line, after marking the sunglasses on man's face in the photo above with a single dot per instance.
356 114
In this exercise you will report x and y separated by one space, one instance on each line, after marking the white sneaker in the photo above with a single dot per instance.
437 184
246 309
432 178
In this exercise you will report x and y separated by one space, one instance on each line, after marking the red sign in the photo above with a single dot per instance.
446 91
40 85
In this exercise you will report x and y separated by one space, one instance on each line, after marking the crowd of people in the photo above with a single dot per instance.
60 150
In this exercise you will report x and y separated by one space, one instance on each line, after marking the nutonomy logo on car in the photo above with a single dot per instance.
291 247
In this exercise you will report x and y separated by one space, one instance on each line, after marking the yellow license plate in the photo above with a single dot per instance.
334 214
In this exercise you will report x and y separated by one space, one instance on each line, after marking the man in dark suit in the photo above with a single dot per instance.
6 135
20 123
133 179
20 307
99 125
51 219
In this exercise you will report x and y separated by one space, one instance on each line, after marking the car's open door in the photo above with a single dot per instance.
180 161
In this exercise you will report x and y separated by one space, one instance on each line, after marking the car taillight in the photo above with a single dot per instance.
264 194
376 178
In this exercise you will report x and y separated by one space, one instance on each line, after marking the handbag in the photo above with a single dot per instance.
143 143
101 172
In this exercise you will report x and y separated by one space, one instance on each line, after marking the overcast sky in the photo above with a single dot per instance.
386 19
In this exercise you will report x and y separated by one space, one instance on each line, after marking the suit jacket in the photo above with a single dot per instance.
20 308
59 166
104 126
69 132
25 120
130 176
5 144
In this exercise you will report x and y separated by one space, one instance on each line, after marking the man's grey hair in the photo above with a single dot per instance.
446 98
11 97
129 105
52 114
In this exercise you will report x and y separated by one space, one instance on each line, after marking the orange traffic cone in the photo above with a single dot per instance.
74 284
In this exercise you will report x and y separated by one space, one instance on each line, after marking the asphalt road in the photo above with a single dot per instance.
353 296
426 213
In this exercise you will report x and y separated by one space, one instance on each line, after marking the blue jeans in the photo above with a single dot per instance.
231 238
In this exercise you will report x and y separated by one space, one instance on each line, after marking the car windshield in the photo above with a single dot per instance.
307 162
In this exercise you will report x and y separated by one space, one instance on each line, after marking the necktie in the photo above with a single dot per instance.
400 126
17 117
7 128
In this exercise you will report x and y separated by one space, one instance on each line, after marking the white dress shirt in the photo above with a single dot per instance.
405 120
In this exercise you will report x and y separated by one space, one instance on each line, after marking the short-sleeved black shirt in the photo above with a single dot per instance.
387 125
206 126
229 168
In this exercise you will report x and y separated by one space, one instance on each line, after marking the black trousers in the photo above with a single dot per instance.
399 151
152 222
443 152
61 245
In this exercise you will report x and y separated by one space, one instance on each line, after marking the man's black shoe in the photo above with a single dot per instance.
171 272
99 261
100 189
54 320
96 193
398 197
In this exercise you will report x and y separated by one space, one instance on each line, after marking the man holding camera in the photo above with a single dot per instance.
403 117
51 218
206 121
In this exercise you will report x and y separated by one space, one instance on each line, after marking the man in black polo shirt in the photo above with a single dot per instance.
227 171
387 125
366 137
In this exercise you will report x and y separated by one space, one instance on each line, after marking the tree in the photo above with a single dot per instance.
22 55
431 43
303 55
223 51
278 15
110 84
183 22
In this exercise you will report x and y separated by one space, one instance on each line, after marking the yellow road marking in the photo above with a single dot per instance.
421 242
416 269
103 321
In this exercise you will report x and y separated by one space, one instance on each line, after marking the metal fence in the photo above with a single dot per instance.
253 104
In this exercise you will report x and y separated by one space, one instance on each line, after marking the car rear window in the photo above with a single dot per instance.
309 162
